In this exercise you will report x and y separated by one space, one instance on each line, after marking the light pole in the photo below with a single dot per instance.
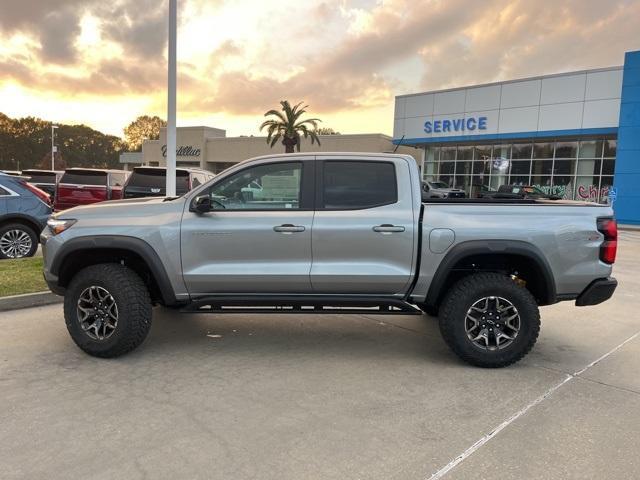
171 100
53 147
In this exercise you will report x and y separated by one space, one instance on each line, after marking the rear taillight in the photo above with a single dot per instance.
41 194
609 228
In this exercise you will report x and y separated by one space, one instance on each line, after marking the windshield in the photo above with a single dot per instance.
41 177
438 185
84 177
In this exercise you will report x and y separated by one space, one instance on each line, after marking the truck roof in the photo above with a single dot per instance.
311 155
105 170
325 154
186 169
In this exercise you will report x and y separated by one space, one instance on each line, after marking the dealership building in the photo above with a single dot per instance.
209 148
574 134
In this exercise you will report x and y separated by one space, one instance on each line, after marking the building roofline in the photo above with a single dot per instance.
517 80
263 137
193 127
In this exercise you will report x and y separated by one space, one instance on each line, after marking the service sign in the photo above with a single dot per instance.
461 124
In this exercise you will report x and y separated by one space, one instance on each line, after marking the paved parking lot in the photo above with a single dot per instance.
325 396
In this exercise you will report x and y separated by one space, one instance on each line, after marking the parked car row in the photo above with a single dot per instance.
529 192
439 189
27 198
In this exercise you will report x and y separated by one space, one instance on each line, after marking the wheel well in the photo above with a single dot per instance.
79 259
520 267
22 221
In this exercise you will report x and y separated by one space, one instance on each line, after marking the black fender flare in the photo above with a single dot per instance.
491 247
120 242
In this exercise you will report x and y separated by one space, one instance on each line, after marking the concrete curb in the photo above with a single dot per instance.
631 228
28 300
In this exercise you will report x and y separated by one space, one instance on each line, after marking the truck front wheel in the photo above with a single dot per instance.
489 320
107 309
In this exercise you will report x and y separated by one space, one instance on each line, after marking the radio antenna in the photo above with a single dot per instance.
398 144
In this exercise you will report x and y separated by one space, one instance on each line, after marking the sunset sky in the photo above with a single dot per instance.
103 63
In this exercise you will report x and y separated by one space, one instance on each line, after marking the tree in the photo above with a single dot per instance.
326 131
143 127
288 127
27 142
59 164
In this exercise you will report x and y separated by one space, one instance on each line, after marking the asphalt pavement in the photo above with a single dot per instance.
324 397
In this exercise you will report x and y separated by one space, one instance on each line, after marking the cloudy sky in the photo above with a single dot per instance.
104 62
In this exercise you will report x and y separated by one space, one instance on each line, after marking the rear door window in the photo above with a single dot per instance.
86 177
349 185
41 177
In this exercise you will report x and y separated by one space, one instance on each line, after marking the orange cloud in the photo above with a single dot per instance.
343 57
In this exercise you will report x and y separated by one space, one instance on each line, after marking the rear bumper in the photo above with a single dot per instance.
598 291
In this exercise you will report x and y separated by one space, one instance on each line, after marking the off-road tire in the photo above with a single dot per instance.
464 294
22 228
133 303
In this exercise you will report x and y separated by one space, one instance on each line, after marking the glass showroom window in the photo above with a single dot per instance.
571 169
500 163
431 158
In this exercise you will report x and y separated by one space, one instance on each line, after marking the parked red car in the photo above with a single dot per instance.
82 186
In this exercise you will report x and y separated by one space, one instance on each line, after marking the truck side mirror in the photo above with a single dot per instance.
202 204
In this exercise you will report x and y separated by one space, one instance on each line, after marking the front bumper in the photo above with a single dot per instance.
49 277
597 292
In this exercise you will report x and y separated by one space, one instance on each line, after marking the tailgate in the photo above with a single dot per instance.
81 187
73 195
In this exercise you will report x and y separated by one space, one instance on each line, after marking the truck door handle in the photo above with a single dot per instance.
387 228
288 228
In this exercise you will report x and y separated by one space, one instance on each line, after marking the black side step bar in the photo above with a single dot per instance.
301 304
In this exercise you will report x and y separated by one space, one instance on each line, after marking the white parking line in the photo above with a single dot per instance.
484 439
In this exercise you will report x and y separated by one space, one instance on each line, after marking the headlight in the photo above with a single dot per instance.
58 226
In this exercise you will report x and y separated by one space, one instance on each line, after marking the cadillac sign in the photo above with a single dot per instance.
183 151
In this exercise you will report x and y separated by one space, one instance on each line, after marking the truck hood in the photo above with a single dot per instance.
126 206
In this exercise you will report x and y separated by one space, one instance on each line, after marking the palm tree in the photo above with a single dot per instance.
289 127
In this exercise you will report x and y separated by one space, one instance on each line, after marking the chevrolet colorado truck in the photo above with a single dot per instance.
331 232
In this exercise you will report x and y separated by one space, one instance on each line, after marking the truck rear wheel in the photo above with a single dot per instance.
489 320
107 309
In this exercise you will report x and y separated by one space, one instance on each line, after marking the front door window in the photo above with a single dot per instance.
263 187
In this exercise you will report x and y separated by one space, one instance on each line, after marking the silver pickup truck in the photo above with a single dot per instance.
327 233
